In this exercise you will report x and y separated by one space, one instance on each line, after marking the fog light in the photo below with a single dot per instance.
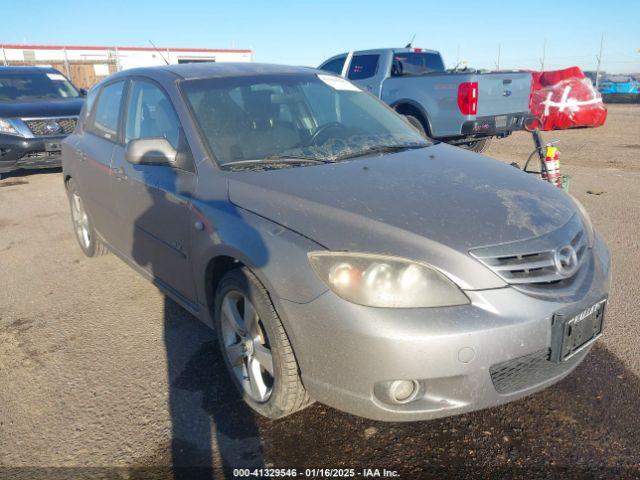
403 391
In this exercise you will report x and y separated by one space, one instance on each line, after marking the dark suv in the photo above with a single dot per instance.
38 108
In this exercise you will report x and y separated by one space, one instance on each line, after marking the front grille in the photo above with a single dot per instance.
528 371
46 127
532 261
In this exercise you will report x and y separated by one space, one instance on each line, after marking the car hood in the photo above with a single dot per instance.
432 204
41 108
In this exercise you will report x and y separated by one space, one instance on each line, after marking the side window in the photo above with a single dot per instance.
88 104
107 111
363 66
150 114
334 66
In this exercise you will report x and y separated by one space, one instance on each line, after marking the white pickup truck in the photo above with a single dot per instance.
461 107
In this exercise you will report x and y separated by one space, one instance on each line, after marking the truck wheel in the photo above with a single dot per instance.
82 226
417 124
478 146
256 348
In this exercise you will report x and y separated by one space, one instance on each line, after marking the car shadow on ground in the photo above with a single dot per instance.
27 172
212 428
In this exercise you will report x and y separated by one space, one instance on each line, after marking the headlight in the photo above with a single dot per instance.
7 127
382 281
586 220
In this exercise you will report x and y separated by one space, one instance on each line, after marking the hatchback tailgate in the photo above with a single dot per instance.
502 93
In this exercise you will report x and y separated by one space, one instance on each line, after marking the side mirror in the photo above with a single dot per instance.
150 151
83 92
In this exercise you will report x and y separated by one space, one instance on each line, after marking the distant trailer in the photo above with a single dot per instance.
86 65
626 91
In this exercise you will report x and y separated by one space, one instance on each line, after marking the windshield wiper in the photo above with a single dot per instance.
381 149
276 160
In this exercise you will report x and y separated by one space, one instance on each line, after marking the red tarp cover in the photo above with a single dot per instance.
565 99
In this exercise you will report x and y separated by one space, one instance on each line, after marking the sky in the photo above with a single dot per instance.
307 32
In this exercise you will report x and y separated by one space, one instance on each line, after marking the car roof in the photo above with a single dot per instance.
379 51
27 69
218 70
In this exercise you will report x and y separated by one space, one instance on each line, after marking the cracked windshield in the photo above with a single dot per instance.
276 121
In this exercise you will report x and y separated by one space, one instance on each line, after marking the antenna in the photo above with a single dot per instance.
544 55
408 45
599 58
159 52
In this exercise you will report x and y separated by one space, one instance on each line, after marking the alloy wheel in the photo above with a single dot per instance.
246 346
80 221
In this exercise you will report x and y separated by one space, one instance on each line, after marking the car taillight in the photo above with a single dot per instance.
468 98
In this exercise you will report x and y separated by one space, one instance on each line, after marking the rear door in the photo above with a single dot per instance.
367 70
94 151
503 93
154 202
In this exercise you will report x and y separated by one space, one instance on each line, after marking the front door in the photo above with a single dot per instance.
154 201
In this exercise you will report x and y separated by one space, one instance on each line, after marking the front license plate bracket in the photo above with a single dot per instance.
571 333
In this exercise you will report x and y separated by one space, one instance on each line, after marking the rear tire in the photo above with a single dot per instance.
255 347
477 146
415 123
82 226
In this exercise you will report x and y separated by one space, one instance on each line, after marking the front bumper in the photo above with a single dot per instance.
496 125
348 353
20 152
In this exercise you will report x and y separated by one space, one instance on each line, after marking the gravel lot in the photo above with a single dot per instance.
100 374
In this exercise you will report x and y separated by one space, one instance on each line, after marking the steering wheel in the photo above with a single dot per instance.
317 135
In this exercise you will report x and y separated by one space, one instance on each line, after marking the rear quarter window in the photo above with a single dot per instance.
417 63
88 105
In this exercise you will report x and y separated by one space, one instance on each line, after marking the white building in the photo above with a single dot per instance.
87 64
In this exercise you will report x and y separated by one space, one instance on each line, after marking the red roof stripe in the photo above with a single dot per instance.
124 49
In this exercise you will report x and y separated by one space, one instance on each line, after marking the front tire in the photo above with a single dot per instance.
82 226
255 347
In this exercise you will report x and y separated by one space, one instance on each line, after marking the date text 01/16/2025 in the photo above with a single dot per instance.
315 473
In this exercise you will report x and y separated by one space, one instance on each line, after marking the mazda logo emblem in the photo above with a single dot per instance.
566 261
52 127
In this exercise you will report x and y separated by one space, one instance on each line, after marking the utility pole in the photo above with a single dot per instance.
499 51
4 56
66 63
544 54
599 57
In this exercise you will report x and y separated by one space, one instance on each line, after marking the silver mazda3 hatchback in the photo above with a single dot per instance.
340 256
